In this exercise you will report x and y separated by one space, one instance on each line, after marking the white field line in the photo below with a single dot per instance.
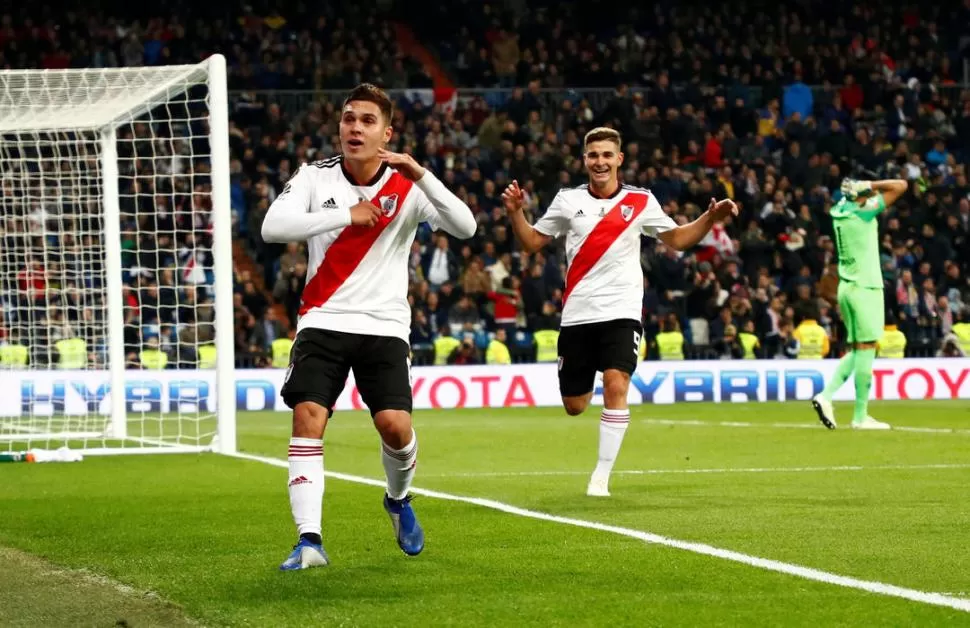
797 426
835 468
880 588
585 420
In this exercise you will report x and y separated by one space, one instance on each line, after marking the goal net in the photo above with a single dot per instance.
116 321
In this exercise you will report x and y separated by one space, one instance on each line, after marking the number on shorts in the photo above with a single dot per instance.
636 344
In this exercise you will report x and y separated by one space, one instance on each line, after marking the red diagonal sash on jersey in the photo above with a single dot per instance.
346 252
603 235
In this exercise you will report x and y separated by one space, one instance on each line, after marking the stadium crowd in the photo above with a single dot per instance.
773 118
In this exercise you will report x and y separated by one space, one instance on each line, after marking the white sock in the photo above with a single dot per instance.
399 467
306 484
613 424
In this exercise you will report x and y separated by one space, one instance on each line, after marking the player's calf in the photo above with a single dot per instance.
305 484
614 421
399 456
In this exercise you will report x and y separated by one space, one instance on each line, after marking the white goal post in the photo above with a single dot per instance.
116 267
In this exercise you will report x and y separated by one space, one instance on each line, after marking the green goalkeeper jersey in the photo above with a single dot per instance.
857 240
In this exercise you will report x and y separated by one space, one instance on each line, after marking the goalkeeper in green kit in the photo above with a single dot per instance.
861 300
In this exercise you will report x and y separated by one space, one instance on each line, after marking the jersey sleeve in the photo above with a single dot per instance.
441 209
290 218
655 221
555 221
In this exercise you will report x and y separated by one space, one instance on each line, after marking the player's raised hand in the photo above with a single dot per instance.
403 163
852 189
512 198
722 209
365 214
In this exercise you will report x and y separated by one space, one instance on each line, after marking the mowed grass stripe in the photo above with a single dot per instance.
880 588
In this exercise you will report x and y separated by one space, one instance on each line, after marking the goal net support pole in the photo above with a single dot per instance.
222 254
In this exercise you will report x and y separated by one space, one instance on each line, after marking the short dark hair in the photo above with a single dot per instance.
368 92
602 134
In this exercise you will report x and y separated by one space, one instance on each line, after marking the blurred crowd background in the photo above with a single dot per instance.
772 107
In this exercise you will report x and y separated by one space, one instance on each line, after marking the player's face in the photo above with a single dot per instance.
603 159
363 130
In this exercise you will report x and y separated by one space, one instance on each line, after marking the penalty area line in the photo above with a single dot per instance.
808 573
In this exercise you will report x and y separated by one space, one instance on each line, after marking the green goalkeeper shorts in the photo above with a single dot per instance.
863 312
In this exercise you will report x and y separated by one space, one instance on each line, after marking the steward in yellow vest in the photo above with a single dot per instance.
670 345
813 342
547 345
281 348
962 331
892 344
444 346
497 351
207 357
72 353
152 358
749 341
670 340
13 356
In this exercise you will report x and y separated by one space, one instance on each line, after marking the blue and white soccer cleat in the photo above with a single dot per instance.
407 530
305 554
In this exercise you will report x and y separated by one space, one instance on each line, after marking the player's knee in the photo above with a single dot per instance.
309 420
615 387
394 427
863 346
575 406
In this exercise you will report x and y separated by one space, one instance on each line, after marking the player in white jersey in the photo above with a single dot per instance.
359 213
602 303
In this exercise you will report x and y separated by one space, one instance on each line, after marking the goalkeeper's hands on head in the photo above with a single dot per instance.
853 189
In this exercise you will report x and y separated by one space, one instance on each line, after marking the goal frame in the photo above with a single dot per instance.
105 123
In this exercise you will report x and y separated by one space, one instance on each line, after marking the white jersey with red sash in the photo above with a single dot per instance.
604 280
357 277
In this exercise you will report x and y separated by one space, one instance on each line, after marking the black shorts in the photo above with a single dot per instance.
586 349
321 360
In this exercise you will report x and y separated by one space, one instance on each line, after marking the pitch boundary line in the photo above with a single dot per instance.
808 573
797 426
833 468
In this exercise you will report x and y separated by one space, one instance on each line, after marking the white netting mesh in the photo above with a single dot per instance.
53 285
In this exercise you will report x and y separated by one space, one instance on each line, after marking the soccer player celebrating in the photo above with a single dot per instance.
602 301
359 212
861 300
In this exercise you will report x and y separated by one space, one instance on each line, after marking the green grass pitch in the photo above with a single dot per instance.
205 533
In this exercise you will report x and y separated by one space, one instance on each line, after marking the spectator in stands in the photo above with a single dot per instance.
465 353
440 265
776 132
464 312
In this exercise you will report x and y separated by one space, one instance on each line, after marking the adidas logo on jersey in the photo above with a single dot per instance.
329 204
579 213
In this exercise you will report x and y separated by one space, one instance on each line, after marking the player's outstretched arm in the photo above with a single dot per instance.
686 236
514 202
289 218
453 215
